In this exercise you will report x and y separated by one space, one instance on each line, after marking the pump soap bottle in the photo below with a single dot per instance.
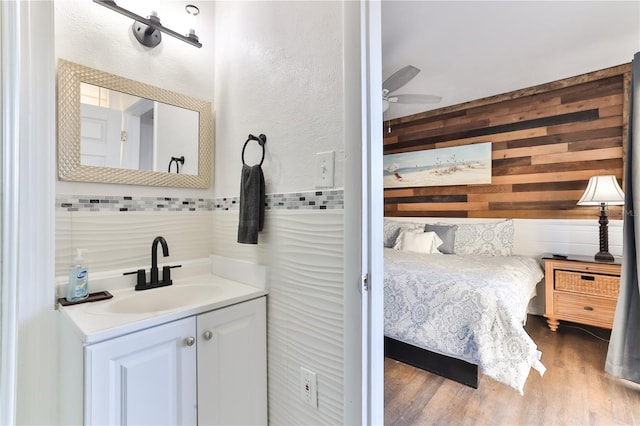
78 288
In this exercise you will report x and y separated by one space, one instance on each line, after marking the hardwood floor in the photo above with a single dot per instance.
575 390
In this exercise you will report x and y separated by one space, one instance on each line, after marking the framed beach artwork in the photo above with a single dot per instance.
459 165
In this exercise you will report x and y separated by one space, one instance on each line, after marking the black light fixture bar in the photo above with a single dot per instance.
111 4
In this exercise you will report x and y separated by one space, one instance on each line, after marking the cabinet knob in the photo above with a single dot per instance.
588 308
190 341
208 335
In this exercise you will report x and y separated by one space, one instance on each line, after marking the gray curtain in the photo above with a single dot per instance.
623 356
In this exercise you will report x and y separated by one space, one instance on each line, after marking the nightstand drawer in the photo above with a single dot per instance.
586 309
586 283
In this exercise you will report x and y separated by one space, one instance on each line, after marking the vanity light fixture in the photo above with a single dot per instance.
147 30
603 191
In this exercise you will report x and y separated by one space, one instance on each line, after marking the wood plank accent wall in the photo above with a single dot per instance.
547 141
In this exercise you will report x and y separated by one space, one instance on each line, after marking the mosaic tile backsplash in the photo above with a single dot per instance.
312 200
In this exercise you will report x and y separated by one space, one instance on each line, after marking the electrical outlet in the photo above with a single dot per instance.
309 387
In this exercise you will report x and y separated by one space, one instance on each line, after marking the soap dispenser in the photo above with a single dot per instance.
78 288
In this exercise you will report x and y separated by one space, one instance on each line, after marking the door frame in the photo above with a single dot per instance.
28 380
363 204
9 78
373 211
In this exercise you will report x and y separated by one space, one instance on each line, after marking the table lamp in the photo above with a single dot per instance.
603 191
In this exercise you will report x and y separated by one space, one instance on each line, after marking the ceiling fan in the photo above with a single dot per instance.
396 81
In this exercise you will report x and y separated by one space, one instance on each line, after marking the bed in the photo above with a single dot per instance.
461 312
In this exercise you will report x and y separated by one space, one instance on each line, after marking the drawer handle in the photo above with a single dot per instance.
588 308
587 277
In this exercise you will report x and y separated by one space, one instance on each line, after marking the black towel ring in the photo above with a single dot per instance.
262 139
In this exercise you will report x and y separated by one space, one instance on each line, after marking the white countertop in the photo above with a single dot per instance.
94 321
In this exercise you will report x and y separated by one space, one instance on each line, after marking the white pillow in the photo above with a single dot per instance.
418 242
392 229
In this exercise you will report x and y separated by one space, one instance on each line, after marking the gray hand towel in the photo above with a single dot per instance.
251 204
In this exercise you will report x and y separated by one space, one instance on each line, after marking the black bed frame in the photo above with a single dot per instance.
450 368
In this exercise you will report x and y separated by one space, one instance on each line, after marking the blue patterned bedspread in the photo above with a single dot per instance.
468 307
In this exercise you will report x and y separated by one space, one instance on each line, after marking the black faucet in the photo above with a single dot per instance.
154 258
142 283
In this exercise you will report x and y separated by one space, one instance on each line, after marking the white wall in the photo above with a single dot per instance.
278 72
97 37
176 135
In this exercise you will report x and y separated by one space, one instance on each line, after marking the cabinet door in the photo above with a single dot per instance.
143 378
232 365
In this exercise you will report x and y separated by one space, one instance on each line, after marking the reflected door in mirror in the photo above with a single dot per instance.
100 133
119 130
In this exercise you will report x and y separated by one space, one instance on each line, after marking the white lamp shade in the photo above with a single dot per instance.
602 189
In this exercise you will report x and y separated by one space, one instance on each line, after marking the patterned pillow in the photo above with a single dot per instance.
485 239
447 234
392 229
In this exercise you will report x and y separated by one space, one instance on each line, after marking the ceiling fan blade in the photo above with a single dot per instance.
400 78
415 99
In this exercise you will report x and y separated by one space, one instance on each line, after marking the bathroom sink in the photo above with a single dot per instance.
161 299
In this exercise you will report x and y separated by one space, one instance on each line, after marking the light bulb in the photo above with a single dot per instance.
193 11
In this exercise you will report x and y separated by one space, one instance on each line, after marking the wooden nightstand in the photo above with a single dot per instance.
581 290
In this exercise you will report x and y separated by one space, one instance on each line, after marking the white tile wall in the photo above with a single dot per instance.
304 251
120 240
118 230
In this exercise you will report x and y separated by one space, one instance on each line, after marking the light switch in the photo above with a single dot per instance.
324 169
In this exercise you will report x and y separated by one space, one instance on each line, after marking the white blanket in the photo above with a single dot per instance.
467 307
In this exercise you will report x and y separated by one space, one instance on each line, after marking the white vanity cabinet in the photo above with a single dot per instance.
207 369
232 365
148 377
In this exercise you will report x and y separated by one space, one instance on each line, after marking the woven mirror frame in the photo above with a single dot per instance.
70 75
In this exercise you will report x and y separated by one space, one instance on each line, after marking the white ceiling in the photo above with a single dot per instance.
472 49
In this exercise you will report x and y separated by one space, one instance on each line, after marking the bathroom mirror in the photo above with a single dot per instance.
115 130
